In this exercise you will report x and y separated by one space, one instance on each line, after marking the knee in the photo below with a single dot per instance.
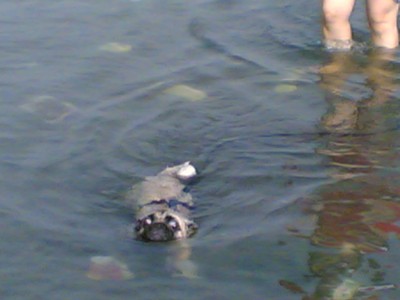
383 19
382 24
332 16
336 23
333 13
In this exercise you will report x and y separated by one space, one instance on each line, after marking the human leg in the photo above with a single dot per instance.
382 18
336 26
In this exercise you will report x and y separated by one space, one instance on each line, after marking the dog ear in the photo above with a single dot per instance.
192 228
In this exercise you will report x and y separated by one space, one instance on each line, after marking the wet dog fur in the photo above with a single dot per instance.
163 206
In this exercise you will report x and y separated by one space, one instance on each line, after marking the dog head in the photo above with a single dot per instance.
163 226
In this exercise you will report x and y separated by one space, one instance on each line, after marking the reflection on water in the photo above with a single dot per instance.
355 83
357 213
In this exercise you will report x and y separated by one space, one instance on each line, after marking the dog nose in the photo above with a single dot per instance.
159 232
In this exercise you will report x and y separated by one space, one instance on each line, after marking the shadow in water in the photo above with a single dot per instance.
356 213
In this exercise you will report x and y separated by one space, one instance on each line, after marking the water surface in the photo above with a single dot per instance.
297 149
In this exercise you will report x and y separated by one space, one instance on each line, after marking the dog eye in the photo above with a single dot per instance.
173 223
148 220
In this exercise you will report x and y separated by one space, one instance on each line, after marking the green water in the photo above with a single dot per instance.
298 167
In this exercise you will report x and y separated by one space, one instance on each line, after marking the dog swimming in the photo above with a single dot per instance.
163 206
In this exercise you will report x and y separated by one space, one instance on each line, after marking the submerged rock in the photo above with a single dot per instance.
49 108
285 88
108 268
186 92
116 47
